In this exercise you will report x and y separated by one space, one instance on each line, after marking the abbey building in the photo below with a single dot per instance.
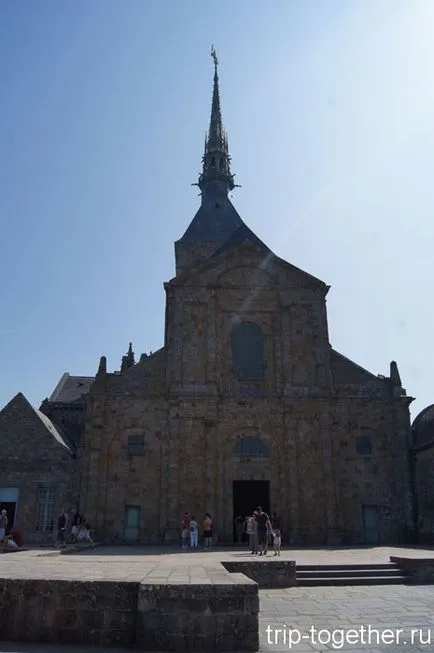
245 403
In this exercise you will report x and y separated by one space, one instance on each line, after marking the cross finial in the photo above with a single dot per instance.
214 56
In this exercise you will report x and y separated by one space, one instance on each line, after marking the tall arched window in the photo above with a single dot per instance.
248 352
249 445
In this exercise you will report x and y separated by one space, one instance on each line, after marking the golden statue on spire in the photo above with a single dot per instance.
214 56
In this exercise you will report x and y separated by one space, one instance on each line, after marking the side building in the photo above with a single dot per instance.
38 458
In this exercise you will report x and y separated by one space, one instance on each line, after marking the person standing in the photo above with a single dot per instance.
62 522
264 528
3 524
194 534
207 531
185 530
252 532
239 528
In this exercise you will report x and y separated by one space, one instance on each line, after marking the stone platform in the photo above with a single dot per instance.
148 598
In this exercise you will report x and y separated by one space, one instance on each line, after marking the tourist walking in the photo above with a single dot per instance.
194 533
207 531
75 526
264 528
62 522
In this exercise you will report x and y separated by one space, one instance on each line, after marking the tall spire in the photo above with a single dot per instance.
216 159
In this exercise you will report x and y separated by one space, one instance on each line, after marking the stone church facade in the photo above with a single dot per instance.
246 403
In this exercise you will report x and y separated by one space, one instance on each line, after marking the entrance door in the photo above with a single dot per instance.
9 502
371 524
132 523
247 496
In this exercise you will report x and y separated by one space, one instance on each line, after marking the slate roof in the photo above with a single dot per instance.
215 221
55 431
241 235
71 388
20 406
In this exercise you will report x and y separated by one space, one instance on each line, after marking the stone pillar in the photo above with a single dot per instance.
333 530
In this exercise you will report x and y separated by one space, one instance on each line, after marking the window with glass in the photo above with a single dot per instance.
46 508
136 445
249 445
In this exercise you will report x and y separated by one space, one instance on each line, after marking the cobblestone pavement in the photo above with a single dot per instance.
136 563
396 618
382 610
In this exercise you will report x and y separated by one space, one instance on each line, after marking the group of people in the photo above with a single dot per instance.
260 529
72 529
10 539
190 532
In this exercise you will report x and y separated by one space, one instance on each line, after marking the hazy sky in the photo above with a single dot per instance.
329 107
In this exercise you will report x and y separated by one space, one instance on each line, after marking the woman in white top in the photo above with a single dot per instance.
194 534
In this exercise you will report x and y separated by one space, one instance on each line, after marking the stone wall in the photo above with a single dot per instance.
424 488
318 481
149 617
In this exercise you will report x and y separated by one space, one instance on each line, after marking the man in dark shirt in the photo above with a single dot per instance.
264 527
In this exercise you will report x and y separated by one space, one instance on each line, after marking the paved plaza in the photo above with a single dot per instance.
375 618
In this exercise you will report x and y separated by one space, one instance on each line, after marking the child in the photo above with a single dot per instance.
277 541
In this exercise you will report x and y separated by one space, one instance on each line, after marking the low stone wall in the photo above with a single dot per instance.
68 612
218 617
420 571
268 573
208 616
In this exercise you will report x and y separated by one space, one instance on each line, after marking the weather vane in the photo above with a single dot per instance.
214 56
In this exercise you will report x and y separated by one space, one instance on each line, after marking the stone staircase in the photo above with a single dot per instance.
367 574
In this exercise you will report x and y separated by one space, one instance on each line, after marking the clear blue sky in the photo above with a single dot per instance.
104 103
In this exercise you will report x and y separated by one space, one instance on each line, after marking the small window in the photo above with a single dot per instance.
364 445
136 445
249 445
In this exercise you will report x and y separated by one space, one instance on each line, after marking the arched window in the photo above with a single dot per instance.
249 445
248 352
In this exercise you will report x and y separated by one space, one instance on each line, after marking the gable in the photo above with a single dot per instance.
26 432
246 264
346 372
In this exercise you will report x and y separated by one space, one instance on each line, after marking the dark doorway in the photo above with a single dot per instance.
10 508
371 524
247 496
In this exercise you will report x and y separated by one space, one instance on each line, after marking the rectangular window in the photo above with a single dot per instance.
45 510
364 445
136 445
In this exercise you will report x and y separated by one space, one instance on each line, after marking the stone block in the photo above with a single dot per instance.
267 573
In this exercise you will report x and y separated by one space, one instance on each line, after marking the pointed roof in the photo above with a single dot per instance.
71 388
216 159
216 219
19 407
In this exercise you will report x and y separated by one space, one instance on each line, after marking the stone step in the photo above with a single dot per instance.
345 573
349 567
351 580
